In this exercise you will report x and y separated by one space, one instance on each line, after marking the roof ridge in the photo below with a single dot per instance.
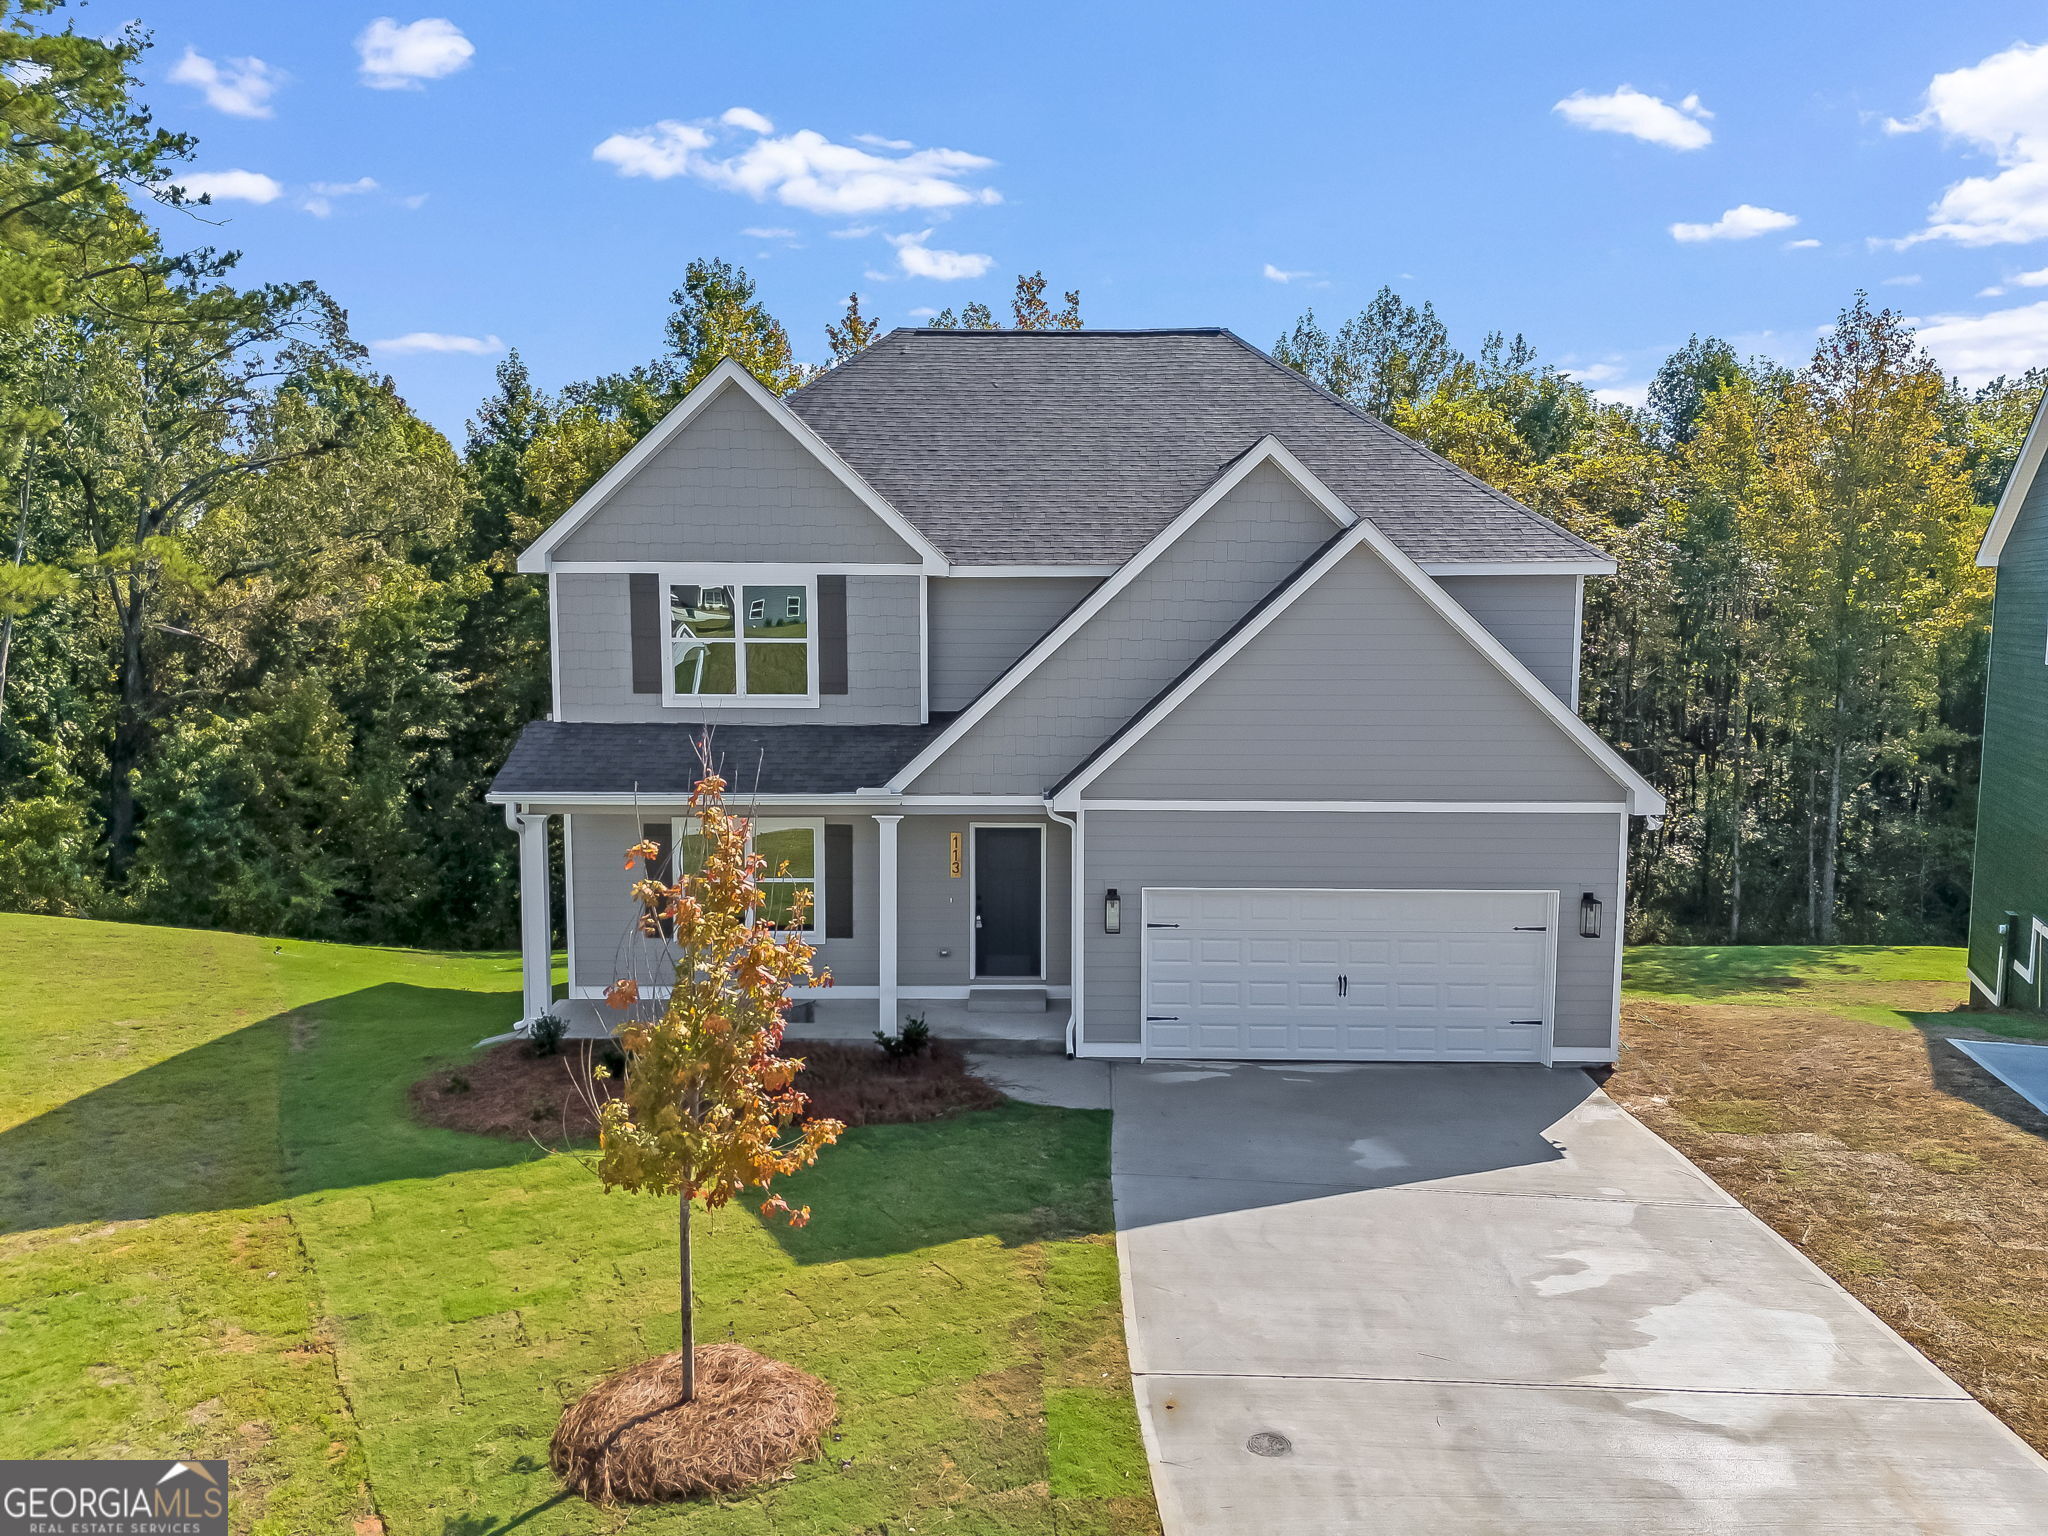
1413 446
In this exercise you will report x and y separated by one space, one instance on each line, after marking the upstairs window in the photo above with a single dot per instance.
734 639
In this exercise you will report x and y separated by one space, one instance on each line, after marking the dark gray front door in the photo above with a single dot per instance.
1006 901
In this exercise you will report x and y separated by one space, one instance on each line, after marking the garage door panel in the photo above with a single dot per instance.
1431 975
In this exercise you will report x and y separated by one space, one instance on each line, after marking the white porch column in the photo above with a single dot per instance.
885 927
536 919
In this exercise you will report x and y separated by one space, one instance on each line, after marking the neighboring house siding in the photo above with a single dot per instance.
735 486
980 625
1146 635
1535 617
1359 690
593 650
604 912
2012 804
1567 853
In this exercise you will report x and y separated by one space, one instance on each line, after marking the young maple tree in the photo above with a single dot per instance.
707 1109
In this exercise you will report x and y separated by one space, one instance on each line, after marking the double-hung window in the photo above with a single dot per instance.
734 638
792 848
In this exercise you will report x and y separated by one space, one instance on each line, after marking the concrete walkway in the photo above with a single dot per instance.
1457 1300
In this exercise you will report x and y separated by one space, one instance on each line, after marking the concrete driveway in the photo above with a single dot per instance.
1482 1299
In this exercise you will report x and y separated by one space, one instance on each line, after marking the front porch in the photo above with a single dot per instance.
857 1018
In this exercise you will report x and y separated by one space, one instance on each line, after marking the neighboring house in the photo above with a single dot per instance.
2009 880
1121 669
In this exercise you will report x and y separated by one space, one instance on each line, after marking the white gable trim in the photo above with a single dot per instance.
1519 567
1642 796
2016 487
538 556
1267 450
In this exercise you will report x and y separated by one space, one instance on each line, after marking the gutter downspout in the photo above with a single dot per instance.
1076 955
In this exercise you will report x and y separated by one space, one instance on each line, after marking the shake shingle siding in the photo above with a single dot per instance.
1143 637
1040 447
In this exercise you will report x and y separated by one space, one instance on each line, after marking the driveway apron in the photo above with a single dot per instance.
1410 1299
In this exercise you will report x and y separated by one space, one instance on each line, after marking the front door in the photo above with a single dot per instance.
1008 899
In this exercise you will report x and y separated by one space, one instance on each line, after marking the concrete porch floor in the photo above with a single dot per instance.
854 1018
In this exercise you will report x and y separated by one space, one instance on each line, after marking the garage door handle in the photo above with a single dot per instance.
1162 1018
1525 1021
1162 925
1538 928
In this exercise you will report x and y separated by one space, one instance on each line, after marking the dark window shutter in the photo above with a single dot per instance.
838 880
643 593
831 634
657 833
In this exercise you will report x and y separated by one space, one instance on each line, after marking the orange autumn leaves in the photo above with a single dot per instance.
708 1108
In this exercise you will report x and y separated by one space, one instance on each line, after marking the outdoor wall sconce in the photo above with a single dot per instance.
1112 911
1589 916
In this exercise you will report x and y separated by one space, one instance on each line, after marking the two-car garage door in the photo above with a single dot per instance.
1348 975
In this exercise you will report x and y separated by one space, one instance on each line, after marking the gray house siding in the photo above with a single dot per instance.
734 485
593 650
1535 617
1358 690
1146 635
1567 852
980 625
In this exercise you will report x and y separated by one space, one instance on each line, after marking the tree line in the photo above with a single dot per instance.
262 643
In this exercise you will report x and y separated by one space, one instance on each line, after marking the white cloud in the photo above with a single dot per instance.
1999 106
321 194
656 153
1978 348
2038 278
942 266
414 200
852 232
923 312
1634 396
1993 292
1641 116
876 141
769 234
1745 221
398 58
1594 373
231 186
1802 245
438 341
803 169
238 87
747 118
1275 274
1903 280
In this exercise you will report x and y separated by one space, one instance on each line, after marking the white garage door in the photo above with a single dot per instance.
1348 975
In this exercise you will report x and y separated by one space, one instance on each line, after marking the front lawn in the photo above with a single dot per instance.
1816 1085
222 1234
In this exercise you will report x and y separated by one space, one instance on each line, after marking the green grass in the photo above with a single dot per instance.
224 1236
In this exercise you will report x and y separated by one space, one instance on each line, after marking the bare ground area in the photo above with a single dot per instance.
1903 1169
507 1091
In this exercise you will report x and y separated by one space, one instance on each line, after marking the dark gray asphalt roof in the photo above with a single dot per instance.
562 757
1058 447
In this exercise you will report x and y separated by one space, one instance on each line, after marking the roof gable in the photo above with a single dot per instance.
888 536
2017 485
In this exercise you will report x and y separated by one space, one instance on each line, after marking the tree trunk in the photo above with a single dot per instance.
20 554
1834 836
689 1317
124 757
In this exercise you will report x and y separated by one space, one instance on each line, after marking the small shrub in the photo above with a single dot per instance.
915 1039
455 1083
545 1033
543 1110
613 1060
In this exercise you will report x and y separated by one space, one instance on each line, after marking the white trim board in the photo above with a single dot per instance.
972 571
1374 807
2017 485
1643 798
1267 450
538 556
1517 567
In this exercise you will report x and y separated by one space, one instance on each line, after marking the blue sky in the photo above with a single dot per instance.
512 174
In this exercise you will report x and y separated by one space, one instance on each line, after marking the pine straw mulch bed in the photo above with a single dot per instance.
630 1438
509 1092
1912 1176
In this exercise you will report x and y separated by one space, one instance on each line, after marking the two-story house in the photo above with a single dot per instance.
1121 672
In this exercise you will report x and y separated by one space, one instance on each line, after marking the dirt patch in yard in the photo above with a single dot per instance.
509 1092
1902 1168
